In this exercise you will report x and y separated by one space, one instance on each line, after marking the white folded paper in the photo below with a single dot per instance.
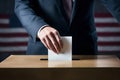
66 52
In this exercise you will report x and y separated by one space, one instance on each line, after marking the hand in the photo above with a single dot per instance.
51 39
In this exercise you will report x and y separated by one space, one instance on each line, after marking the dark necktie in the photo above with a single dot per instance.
67 7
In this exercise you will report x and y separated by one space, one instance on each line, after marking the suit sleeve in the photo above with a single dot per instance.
114 7
28 17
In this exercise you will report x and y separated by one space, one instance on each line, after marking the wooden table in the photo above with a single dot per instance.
18 67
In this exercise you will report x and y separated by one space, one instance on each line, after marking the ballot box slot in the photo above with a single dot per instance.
47 59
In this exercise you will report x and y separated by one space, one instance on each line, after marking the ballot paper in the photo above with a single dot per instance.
66 52
59 63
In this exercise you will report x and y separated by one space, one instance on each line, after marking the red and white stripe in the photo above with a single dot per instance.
108 31
14 40
4 21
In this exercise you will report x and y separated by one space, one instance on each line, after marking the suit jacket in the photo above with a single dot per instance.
35 13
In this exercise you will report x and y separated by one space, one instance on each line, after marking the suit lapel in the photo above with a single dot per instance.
74 10
60 6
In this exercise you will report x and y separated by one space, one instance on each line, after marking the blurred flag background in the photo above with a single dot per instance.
13 37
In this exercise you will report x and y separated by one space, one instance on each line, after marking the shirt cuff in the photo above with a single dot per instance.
41 29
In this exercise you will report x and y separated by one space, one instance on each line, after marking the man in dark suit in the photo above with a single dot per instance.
47 20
